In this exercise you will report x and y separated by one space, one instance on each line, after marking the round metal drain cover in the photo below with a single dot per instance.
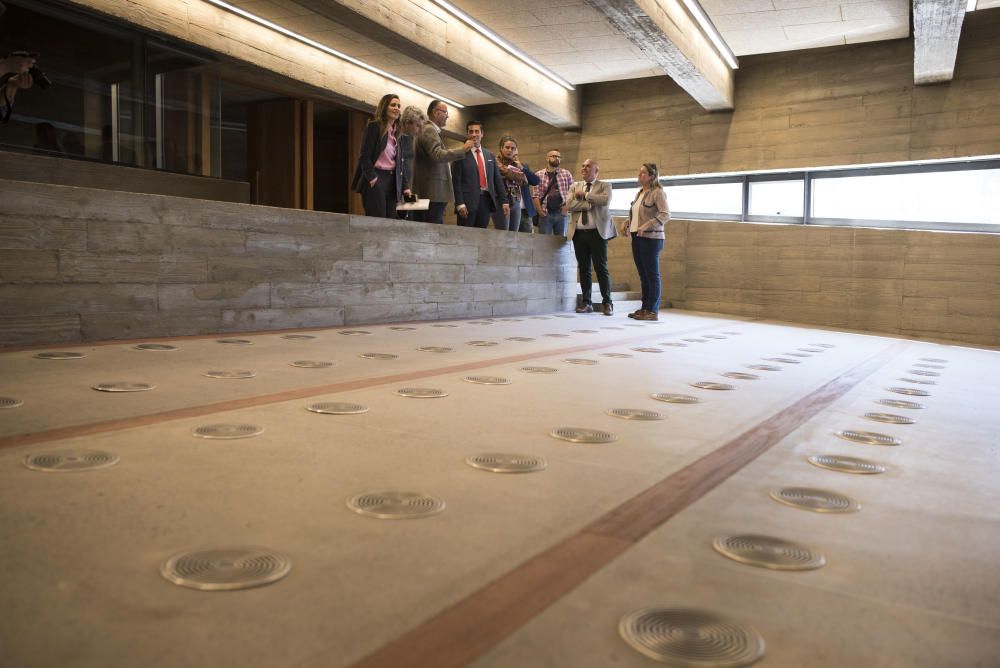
445 325
564 315
769 552
816 500
586 331
823 345
733 333
311 364
673 344
378 356
582 435
764 367
487 380
435 349
226 569
506 462
717 337
540 317
797 354
890 418
157 347
402 328
918 381
935 360
691 638
539 369
923 372
10 402
557 336
712 385
70 460
634 414
59 356
632 324
783 360
227 431
580 360
236 342
519 338
395 505
481 343
845 464
236 374
421 392
123 386
811 350
354 332
900 403
620 329
696 340
670 398
616 355
643 349
912 391
298 337
739 375
868 437
337 408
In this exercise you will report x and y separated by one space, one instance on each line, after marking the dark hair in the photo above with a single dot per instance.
433 105
471 123
505 139
382 112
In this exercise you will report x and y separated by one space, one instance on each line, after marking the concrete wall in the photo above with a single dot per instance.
81 264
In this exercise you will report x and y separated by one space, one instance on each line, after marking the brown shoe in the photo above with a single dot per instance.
586 308
636 314
648 315
608 308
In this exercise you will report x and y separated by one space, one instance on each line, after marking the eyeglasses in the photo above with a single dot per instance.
557 157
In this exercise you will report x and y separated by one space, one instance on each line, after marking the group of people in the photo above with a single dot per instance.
402 155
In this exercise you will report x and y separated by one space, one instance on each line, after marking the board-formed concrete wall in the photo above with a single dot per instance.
80 264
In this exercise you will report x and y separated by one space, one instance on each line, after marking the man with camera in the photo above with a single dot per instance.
18 71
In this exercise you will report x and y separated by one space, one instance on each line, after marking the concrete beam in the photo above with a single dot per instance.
427 33
672 38
937 26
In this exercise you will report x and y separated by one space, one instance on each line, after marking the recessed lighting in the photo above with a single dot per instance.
971 7
709 29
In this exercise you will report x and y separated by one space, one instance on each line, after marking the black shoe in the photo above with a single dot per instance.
586 308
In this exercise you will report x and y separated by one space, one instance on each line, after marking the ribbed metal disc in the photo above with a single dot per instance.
226 569
582 435
634 414
354 332
936 360
10 402
520 338
712 385
70 460
483 344
740 375
632 324
337 408
225 431
557 336
402 328
764 367
156 347
445 324
564 315
769 552
783 360
539 369
506 462
816 500
733 333
845 464
620 329
797 354
643 349
868 437
696 340
435 349
236 342
487 380
912 391
923 372
311 364
421 392
378 356
586 331
673 344
670 398
298 337
890 418
717 337
918 381
691 638
580 360
540 317
811 350
60 356
900 403
123 386
236 374
823 345
616 355
922 365
395 505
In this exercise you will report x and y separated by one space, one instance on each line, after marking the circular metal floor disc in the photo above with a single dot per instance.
539 369
540 317
311 364
435 349
564 315
845 464
811 350
769 552
616 355
123 386
900 403
378 356
922 372
797 354
643 349
918 381
224 431
763 367
912 391
337 408
487 380
816 500
236 342
868 437
691 638
823 345
483 344
634 414
670 398
582 435
298 337
673 344
59 356
156 347
446 325
620 329
226 569
232 374
421 392
557 336
889 418
717 337
519 338
712 385
783 360
586 331
402 328
354 332
922 365
733 333
506 462
580 360
740 375
70 460
696 340
10 402
936 360
395 505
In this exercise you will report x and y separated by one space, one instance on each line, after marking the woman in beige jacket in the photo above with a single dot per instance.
645 226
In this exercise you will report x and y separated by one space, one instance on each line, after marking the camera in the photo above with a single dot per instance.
39 77
409 199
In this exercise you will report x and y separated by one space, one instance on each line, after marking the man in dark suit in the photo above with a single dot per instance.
479 189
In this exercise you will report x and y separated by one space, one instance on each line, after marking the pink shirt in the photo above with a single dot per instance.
387 159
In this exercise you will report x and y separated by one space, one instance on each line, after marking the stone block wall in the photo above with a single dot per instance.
81 264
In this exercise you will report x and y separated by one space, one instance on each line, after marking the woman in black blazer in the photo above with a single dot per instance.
380 174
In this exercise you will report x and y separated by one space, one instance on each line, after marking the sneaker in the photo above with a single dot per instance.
607 308
586 308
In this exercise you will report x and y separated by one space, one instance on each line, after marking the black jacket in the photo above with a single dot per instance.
371 148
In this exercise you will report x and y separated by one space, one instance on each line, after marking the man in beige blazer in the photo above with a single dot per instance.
590 227
432 168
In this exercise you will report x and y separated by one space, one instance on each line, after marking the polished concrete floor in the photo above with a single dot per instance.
519 570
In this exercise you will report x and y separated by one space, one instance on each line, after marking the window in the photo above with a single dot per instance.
706 200
776 199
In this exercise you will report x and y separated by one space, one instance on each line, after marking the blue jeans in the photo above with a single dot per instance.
646 254
511 222
552 223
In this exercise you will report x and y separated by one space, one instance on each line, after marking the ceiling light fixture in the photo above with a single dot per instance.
709 28
971 7
502 43
333 52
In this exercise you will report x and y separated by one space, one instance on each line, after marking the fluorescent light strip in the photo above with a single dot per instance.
706 25
333 52
503 44
971 7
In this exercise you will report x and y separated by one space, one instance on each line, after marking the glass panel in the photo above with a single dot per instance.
712 198
776 198
954 197
621 197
